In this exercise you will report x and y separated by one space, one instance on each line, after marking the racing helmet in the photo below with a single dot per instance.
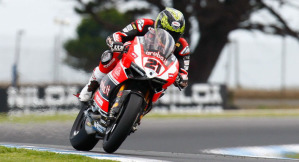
171 20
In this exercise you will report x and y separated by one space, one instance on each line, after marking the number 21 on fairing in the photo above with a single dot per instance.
153 64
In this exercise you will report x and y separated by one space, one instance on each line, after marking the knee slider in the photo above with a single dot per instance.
106 57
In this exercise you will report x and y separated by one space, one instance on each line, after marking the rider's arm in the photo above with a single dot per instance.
136 28
182 52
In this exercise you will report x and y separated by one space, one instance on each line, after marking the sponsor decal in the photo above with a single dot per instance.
128 28
170 75
116 72
116 37
98 99
186 62
176 25
134 55
104 88
140 24
200 97
196 97
34 97
187 58
155 54
111 62
186 50
134 26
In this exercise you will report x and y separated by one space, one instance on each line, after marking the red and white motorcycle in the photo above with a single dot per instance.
126 93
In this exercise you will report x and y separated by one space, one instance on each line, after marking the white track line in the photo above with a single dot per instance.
272 151
83 153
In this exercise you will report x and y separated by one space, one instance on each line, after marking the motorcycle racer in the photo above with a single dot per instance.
170 19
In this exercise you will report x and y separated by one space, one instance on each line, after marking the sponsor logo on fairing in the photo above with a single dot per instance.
106 66
134 55
105 88
116 71
99 100
170 75
155 54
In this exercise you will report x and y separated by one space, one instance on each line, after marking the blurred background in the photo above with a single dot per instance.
250 47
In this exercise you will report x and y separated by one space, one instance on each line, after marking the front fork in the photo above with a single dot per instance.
121 99
105 120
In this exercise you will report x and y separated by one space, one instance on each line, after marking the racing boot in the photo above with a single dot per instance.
94 82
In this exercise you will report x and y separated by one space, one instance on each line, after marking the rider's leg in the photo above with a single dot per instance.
93 83
107 63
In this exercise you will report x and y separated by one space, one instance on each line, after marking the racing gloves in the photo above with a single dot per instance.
182 79
117 46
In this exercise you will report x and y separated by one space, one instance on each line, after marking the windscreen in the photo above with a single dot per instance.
159 43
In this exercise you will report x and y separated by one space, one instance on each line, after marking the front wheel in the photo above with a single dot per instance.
121 128
79 138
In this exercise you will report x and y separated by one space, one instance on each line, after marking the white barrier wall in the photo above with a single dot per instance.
198 97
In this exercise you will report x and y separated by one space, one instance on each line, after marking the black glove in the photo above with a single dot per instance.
117 47
181 81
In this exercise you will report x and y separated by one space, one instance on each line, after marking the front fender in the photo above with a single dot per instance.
121 99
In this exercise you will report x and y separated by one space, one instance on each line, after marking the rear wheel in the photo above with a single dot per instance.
79 138
118 131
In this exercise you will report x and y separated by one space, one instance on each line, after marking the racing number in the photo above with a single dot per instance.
153 64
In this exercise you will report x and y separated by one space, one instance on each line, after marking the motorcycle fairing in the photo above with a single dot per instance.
150 66
108 84
151 63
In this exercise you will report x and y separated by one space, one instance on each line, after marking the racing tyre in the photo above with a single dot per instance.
79 138
121 128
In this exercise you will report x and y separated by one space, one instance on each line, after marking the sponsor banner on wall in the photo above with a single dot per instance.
197 97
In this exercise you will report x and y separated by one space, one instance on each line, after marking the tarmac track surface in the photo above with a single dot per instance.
173 139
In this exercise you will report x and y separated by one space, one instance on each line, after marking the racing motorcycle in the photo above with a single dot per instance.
127 93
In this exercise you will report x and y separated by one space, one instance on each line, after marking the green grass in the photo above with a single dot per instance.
15 155
231 114
38 118
292 156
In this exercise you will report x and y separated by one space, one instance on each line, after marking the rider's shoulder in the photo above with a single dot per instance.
142 22
183 47
183 42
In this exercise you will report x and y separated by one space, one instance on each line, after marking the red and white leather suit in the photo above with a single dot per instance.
137 28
